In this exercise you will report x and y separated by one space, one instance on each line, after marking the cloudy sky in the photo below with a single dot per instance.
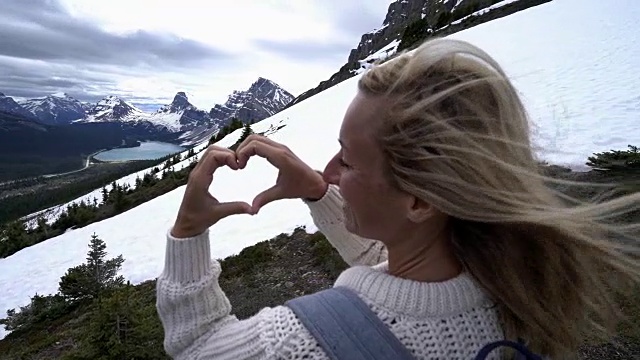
147 50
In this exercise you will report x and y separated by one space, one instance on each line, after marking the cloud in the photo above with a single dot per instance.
52 34
30 78
301 50
348 21
145 51
353 18
43 50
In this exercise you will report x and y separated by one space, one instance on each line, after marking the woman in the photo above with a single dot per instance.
471 245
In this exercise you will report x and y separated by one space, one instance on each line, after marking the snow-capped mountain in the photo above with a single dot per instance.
56 109
263 99
10 106
181 115
189 124
112 108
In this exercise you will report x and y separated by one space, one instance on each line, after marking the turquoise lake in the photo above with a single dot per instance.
148 150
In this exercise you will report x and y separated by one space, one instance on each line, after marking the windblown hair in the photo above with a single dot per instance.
457 136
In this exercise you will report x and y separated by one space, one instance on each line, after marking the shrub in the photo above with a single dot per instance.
616 160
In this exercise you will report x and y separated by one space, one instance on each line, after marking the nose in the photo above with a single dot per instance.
331 173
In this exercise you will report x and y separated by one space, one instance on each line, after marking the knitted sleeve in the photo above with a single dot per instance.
328 216
196 313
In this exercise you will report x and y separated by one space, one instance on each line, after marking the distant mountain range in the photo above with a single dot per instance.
56 109
56 133
190 124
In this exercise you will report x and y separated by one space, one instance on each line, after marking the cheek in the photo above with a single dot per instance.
350 187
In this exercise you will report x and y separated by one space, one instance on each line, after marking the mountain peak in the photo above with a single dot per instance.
8 105
113 108
263 99
55 109
180 102
258 84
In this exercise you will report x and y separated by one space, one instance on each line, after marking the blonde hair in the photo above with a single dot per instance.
457 136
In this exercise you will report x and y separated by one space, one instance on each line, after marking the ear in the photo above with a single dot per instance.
420 211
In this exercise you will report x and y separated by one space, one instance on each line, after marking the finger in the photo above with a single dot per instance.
250 138
200 178
274 155
210 149
255 137
272 194
216 159
222 210
261 138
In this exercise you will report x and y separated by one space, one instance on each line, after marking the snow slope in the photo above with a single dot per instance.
483 11
574 62
380 55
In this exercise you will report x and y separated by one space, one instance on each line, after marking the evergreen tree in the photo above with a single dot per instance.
124 326
91 279
245 133
105 195
43 227
621 161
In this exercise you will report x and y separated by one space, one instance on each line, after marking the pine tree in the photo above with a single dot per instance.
105 195
91 279
43 227
245 133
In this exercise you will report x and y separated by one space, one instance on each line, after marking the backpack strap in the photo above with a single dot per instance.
345 326
522 352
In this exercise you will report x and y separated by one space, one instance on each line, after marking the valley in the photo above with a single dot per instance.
23 197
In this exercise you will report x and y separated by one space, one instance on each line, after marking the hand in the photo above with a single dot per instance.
295 178
199 209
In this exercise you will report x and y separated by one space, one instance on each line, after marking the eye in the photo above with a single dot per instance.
343 164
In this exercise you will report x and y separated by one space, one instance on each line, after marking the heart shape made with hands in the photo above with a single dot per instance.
200 209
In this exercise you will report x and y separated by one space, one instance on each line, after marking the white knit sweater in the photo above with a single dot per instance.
447 320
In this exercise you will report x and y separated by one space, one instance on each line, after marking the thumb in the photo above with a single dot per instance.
265 197
223 210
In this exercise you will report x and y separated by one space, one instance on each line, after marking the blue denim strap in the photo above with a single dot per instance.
522 352
345 327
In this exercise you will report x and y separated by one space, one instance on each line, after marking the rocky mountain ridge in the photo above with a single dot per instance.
11 107
400 15
263 99
56 109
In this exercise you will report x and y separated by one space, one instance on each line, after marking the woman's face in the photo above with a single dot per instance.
373 208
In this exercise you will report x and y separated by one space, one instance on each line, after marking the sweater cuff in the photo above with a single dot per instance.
188 259
328 208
